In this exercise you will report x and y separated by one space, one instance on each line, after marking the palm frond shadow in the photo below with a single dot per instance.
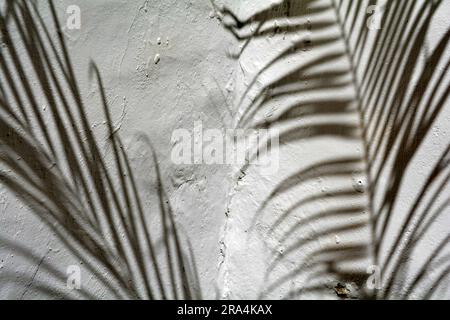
56 167
397 93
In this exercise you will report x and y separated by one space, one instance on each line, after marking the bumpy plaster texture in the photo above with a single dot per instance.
168 64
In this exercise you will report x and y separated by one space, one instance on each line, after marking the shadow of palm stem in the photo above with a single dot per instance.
400 89
53 162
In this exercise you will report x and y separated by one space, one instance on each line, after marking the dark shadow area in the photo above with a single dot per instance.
239 28
56 167
400 87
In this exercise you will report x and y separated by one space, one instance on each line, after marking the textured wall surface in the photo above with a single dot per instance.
166 65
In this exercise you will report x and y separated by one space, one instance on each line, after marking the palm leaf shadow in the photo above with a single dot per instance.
397 102
56 167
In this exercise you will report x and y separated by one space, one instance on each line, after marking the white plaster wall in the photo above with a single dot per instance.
217 209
